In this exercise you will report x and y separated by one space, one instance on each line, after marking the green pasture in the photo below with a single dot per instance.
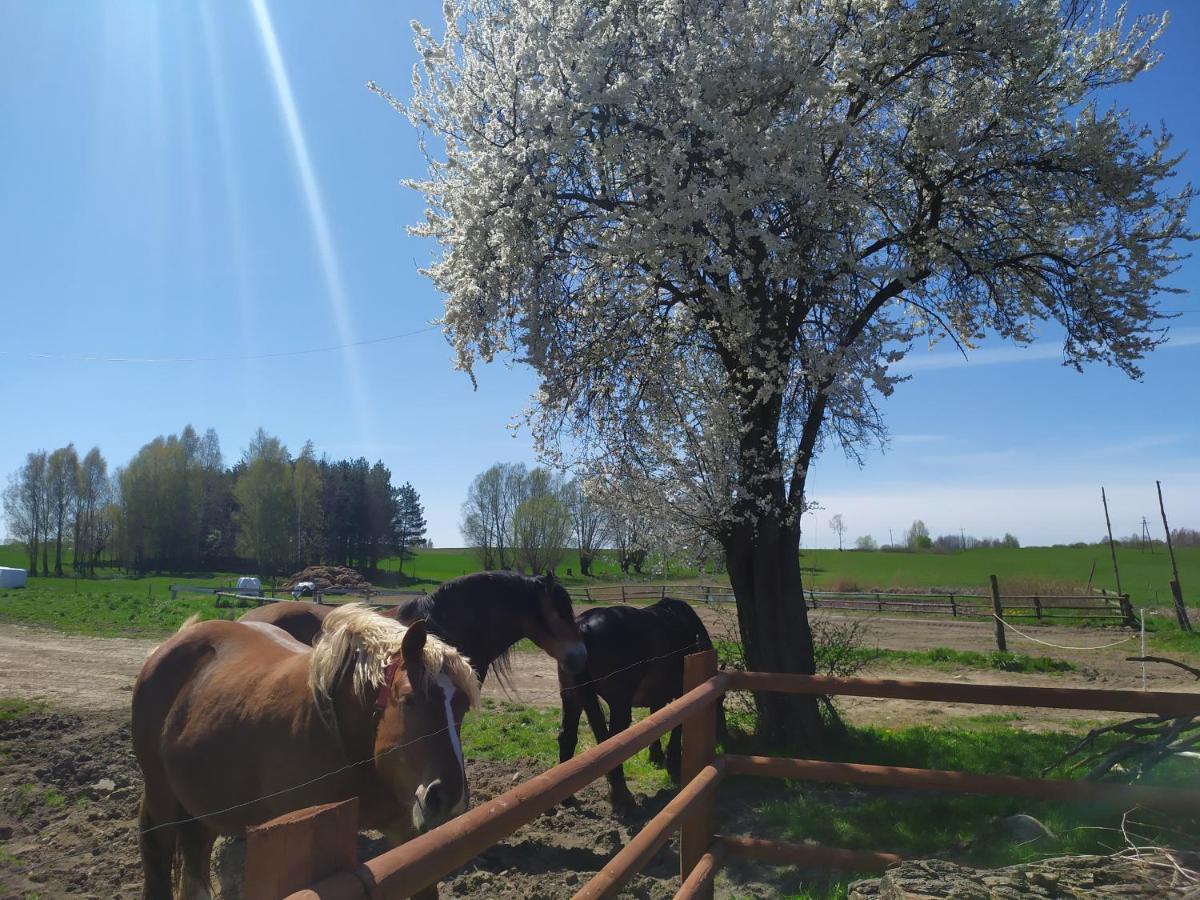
115 604
963 827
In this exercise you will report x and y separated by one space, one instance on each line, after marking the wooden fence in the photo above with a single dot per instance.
281 853
1089 607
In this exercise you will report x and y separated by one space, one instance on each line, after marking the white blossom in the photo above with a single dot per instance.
713 227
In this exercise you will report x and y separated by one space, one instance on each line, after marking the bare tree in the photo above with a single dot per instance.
590 522
91 497
25 506
62 473
838 525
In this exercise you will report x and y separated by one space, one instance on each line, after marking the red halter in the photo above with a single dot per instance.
389 674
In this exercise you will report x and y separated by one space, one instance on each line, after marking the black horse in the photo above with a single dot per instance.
484 614
480 615
634 658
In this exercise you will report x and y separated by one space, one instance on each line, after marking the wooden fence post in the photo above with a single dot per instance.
699 750
1037 605
1001 643
1127 612
953 607
300 848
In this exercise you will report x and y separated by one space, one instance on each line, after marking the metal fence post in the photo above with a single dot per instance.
699 750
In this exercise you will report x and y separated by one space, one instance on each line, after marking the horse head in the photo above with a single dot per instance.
553 627
418 749
421 689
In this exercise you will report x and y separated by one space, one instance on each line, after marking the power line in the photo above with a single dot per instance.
278 354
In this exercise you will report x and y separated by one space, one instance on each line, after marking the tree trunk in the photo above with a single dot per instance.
585 564
764 569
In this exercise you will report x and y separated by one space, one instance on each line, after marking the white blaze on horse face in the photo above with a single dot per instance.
448 691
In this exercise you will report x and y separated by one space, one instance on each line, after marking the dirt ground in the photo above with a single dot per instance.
82 673
69 784
84 844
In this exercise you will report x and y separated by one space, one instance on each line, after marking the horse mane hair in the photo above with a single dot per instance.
355 636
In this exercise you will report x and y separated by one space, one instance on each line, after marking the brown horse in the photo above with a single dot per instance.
236 723
481 615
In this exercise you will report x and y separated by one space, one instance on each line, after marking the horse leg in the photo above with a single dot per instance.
157 849
656 751
568 733
674 754
620 717
195 846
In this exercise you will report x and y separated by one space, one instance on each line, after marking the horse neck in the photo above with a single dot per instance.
482 631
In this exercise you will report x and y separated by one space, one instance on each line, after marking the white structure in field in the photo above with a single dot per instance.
249 585
10 578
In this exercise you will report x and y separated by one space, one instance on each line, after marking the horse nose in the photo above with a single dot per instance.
439 804
576 659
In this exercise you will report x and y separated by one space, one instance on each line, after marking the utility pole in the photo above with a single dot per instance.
1147 540
1176 588
1112 548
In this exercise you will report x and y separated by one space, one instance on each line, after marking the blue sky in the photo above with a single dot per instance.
214 181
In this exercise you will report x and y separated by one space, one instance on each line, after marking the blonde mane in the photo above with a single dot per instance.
356 636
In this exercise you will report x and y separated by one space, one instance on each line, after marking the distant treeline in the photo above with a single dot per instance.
177 507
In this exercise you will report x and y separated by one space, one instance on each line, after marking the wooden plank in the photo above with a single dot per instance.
1166 703
699 749
634 856
699 882
295 850
415 865
1176 800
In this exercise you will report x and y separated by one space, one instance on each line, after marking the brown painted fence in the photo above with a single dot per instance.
305 855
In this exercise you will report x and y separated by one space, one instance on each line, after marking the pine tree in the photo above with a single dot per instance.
409 523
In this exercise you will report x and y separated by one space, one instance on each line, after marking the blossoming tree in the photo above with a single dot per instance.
712 227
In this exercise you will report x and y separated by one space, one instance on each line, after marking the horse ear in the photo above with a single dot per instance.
412 647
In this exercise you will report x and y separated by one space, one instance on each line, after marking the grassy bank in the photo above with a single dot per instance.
963 827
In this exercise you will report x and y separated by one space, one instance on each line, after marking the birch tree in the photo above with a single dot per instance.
713 227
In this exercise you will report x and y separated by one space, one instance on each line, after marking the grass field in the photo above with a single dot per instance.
111 604
964 827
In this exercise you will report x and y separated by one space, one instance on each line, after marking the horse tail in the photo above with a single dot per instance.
188 622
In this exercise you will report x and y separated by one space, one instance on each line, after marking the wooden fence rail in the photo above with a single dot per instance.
415 866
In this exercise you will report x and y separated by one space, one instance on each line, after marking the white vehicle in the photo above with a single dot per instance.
249 586
12 578
302 589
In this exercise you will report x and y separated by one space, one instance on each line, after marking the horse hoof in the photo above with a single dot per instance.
624 805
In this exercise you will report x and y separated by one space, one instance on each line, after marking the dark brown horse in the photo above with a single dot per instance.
236 723
302 619
484 614
480 615
634 658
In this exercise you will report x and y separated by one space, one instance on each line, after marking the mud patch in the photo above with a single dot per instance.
69 787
